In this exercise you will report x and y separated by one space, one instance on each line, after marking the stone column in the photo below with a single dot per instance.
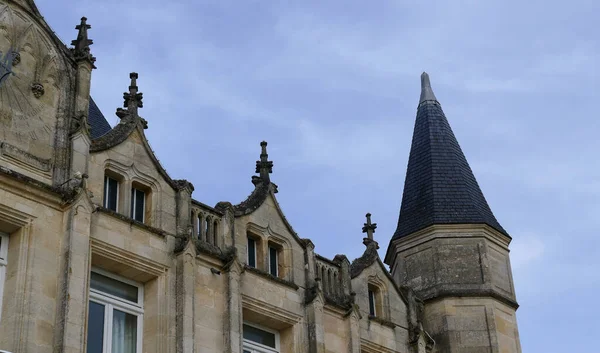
233 317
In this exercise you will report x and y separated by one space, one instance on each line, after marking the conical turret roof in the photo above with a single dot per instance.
440 187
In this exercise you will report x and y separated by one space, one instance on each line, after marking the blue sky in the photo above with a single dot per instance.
333 87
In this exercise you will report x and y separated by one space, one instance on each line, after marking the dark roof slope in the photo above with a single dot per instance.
440 187
99 125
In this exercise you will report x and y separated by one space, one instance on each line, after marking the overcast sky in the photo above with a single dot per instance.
333 87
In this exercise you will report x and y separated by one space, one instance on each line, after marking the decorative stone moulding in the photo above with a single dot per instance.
16 58
37 89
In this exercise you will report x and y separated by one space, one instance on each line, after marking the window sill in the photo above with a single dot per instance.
271 277
382 321
132 221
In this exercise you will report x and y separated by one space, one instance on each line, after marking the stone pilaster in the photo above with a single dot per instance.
183 200
185 299
314 318
233 317
345 279
73 282
354 326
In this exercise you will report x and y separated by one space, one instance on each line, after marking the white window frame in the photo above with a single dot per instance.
105 203
248 251
276 261
133 206
3 263
254 347
112 302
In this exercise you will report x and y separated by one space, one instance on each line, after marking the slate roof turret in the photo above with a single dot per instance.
440 187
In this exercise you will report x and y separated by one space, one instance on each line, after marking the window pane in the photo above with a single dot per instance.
138 199
251 252
273 261
114 287
259 336
95 335
110 193
371 303
124 333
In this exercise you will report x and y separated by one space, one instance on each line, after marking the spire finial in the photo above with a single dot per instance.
133 98
264 167
369 228
82 43
426 91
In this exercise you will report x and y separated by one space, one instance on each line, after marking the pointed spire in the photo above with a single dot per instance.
82 43
426 91
264 167
133 98
440 187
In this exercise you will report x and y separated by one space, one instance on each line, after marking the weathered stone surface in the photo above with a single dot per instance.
199 287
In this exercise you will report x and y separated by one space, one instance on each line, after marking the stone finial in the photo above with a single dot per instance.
82 43
426 91
369 228
133 98
264 167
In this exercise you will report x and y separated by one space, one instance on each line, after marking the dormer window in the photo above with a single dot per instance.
111 193
138 204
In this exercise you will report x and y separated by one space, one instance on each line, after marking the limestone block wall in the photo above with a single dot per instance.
472 325
455 260
210 307
35 224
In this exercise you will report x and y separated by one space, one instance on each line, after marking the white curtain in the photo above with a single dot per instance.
124 335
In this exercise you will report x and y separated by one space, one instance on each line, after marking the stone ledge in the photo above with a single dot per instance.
205 247
382 321
271 277
132 221
440 293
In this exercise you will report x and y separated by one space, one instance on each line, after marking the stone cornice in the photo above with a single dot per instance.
446 231
442 293
52 196
133 222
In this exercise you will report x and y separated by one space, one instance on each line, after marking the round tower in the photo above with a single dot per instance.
448 246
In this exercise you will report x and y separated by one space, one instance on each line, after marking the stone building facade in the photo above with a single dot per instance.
101 251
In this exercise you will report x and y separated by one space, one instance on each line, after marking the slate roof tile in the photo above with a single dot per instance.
98 124
440 187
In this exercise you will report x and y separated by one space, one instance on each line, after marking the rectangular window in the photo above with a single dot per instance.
260 340
138 204
3 263
111 193
115 314
372 310
273 261
251 252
